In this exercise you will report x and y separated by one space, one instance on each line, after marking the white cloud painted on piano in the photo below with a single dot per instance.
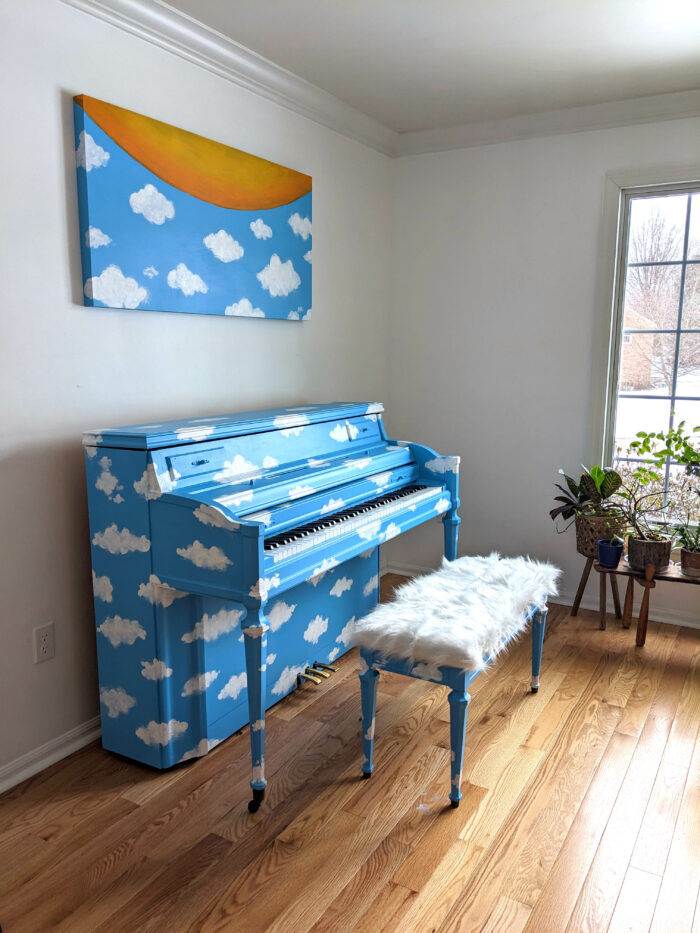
201 748
292 424
102 587
160 733
234 686
160 594
155 670
332 655
346 634
199 683
288 679
280 613
333 505
257 725
371 585
237 468
298 492
117 701
270 659
316 627
120 542
234 498
210 627
152 485
358 464
107 482
194 432
210 558
443 465
344 432
341 585
119 631
261 589
317 464
318 573
210 515
442 505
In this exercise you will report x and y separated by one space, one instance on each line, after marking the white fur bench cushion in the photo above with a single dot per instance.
460 614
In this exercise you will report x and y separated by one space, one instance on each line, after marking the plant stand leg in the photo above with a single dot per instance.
629 603
616 595
582 586
603 600
648 584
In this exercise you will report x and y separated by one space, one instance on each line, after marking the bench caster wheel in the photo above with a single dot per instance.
366 774
254 804
534 689
454 804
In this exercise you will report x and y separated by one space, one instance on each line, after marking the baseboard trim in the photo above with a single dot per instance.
566 598
29 764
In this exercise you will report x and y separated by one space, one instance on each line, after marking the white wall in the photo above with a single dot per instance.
65 368
498 328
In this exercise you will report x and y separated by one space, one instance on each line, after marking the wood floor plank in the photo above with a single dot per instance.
387 911
635 906
507 915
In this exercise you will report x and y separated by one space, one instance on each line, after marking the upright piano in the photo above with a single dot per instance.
231 556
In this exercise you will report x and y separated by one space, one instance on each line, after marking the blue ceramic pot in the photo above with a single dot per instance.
609 553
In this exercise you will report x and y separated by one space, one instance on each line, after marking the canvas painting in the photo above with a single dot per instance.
172 221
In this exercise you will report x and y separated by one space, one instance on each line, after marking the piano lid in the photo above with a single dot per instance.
189 430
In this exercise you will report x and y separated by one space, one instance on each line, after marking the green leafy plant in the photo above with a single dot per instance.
592 494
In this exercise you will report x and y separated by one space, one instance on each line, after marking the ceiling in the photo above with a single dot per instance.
430 64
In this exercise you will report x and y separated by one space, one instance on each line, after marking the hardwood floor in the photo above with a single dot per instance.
581 809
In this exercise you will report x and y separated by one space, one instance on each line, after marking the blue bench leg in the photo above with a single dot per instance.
255 640
538 624
368 687
459 703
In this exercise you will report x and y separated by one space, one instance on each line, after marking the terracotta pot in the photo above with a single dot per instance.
690 563
590 528
641 553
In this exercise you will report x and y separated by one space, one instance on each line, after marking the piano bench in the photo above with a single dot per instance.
446 627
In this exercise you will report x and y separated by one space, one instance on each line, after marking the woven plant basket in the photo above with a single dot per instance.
591 528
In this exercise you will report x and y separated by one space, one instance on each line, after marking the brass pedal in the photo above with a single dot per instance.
302 678
320 666
318 671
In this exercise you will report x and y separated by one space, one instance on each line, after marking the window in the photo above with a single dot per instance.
655 370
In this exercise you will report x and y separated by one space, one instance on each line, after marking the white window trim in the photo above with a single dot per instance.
618 184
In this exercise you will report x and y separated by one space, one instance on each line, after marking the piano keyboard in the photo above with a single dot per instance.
296 540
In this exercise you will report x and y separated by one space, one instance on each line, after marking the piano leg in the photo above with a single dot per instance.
369 676
538 623
451 524
459 704
255 651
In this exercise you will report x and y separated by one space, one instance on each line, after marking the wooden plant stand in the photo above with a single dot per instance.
648 580
582 586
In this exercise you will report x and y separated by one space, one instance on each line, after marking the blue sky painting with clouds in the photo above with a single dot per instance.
149 246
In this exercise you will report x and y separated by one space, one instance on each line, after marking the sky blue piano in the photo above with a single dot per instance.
231 556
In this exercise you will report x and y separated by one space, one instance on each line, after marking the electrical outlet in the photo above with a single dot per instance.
44 643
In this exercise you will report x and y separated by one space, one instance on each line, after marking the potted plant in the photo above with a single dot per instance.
591 505
610 552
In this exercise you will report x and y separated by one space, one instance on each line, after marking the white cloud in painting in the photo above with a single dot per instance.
201 748
443 465
371 530
392 530
317 464
318 573
94 237
235 498
194 432
442 505
347 632
280 613
340 586
316 627
293 316
120 542
236 468
117 701
199 683
223 246
307 256
339 433
115 289
160 733
260 229
279 278
358 464
154 206
210 515
102 588
187 281
270 659
287 679
290 424
243 308
150 272
159 594
211 627
149 484
90 154
155 670
427 671
371 585
120 631
333 505
211 558
332 655
270 462
300 225
261 589
234 686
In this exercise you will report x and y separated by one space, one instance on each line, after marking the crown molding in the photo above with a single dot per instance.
168 29
654 109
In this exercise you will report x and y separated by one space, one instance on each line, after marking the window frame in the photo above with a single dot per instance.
624 195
